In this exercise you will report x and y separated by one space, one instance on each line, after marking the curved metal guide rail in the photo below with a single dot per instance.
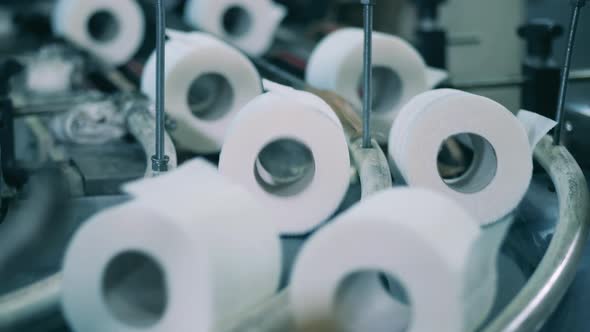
529 310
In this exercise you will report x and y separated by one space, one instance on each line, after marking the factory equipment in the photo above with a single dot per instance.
81 132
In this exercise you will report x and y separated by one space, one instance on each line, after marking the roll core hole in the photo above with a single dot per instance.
368 297
210 96
387 89
103 26
237 21
467 163
134 289
284 167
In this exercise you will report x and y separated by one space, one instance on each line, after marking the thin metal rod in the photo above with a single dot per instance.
160 160
566 72
368 72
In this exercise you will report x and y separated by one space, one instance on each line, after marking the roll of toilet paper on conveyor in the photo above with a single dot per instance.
248 24
423 243
207 83
113 30
501 170
292 121
399 73
190 252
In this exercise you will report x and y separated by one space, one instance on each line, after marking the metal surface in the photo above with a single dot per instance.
42 106
31 304
106 167
545 289
372 167
160 160
577 6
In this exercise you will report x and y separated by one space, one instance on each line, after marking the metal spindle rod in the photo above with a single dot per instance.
577 6
368 72
160 160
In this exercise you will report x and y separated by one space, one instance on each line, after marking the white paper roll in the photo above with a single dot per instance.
248 24
399 73
501 169
207 83
418 238
301 121
189 253
111 29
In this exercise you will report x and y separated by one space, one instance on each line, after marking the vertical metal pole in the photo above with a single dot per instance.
368 71
577 5
160 160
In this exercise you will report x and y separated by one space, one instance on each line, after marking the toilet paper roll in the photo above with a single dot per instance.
248 24
207 82
189 253
277 120
111 29
501 169
399 73
421 239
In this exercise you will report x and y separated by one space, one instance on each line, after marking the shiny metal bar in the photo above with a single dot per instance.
368 7
160 160
140 123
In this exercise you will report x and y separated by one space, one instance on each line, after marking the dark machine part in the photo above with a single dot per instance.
149 42
575 18
540 91
34 221
304 11
431 38
34 23
13 176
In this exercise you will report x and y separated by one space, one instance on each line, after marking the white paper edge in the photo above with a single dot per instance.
435 76
535 125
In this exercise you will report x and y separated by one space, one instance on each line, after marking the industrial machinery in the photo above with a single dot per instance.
75 127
